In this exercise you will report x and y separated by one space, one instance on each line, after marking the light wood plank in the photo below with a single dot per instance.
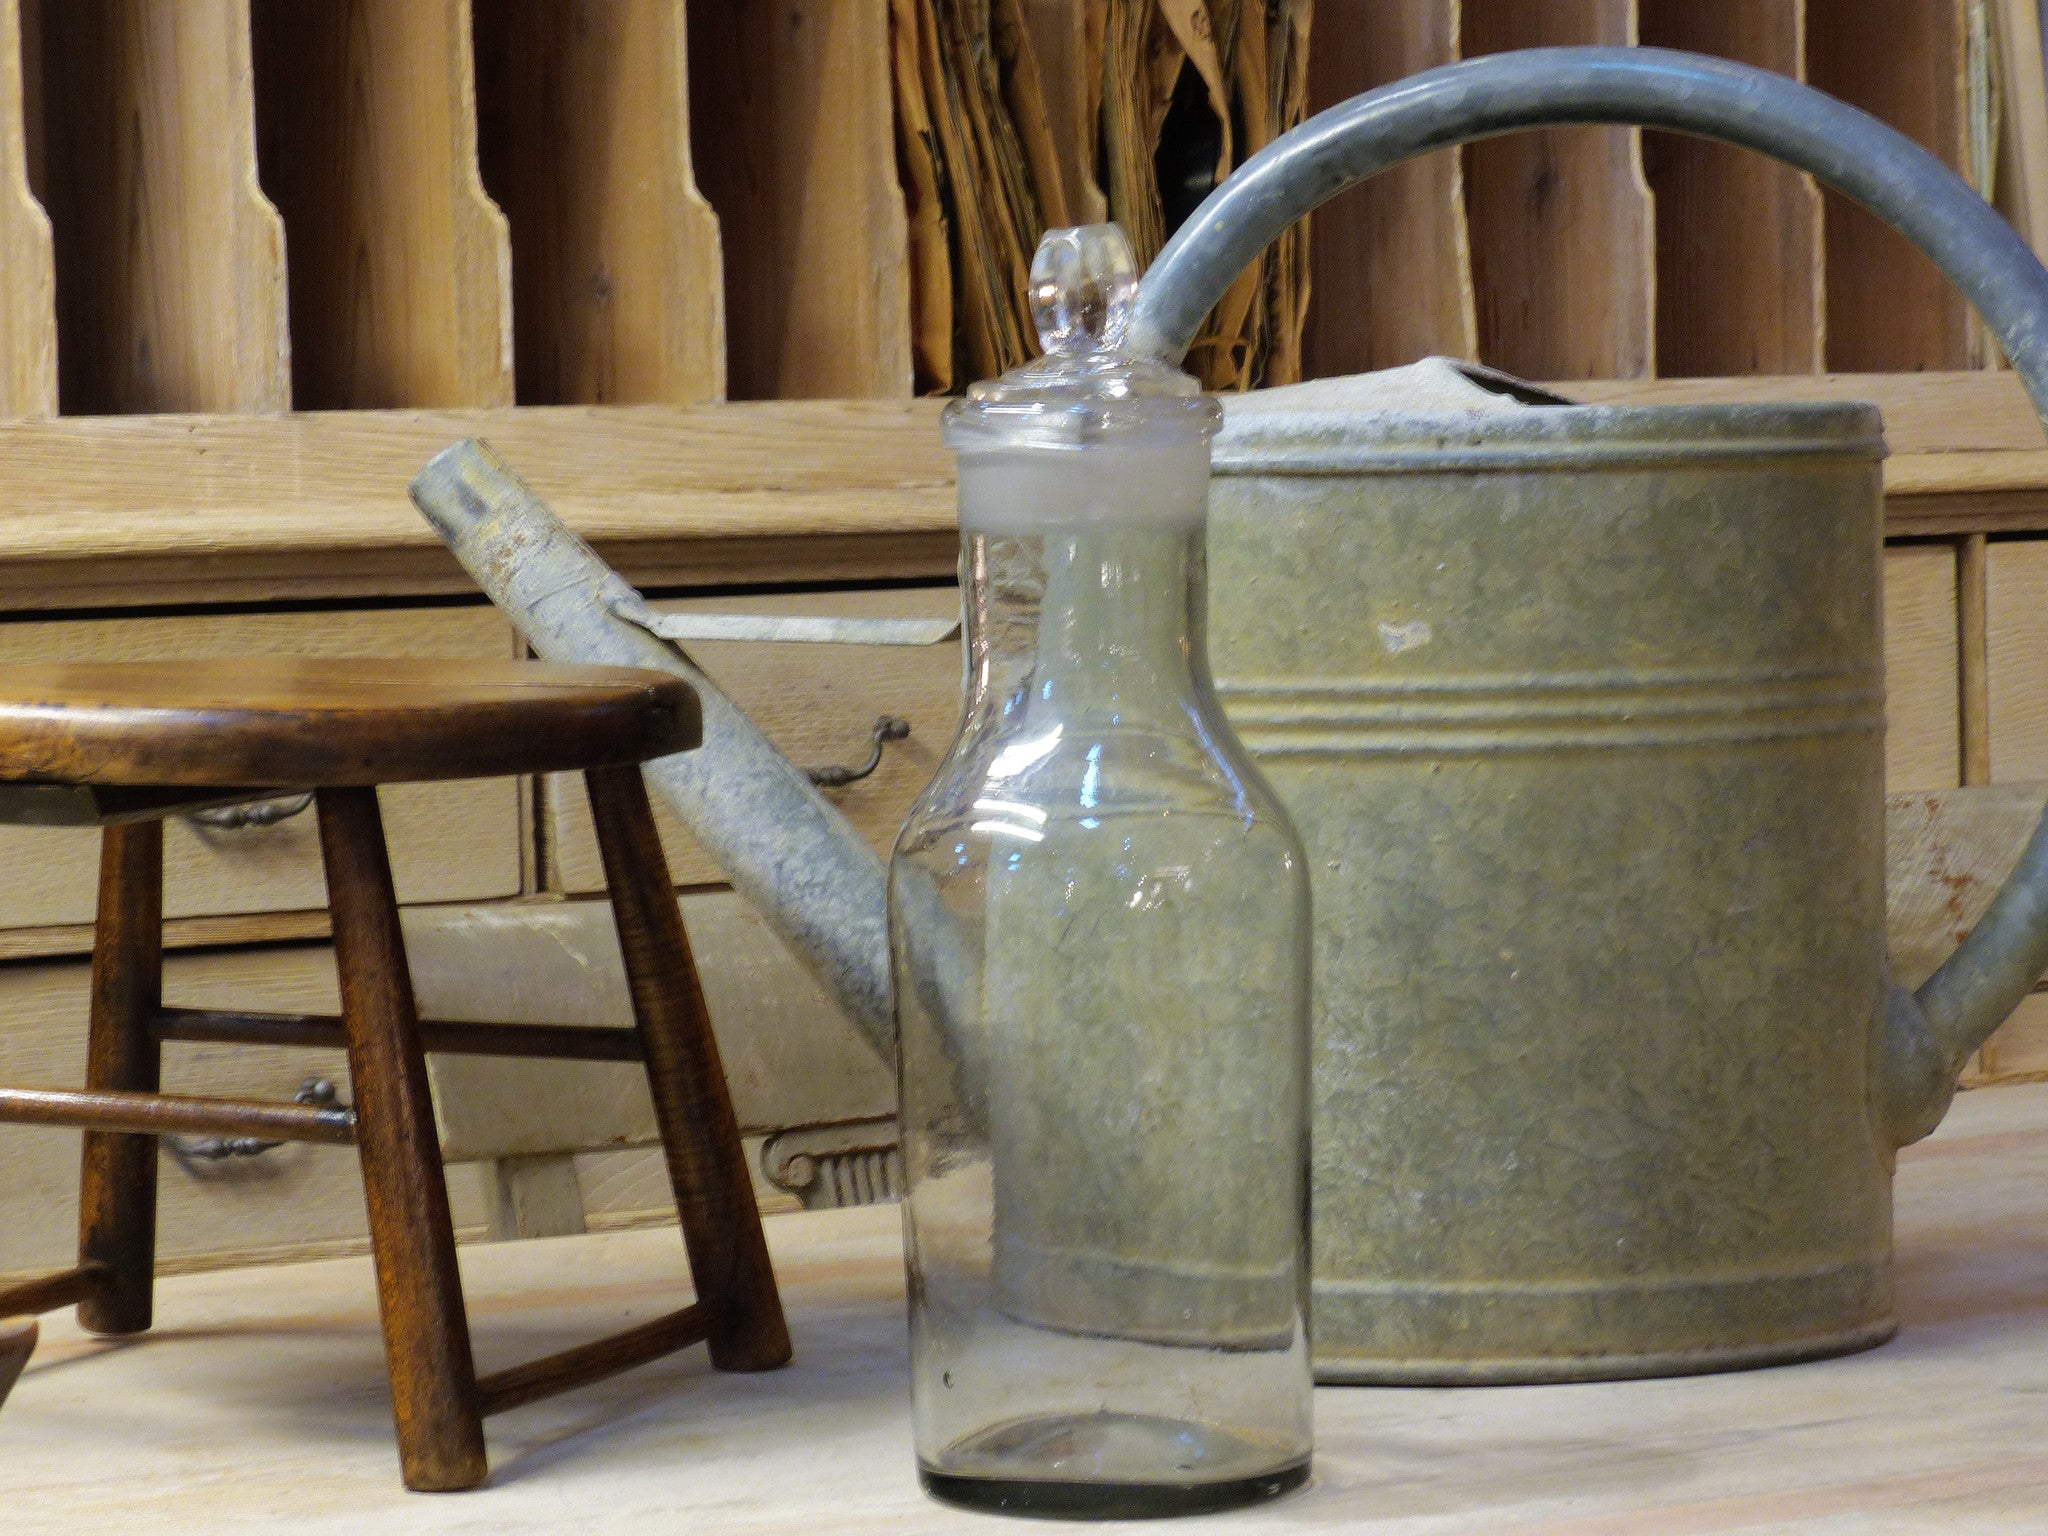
1739 241
1563 237
1888 307
401 265
793 122
2016 621
274 1381
2022 176
178 509
1391 260
584 139
449 842
171 286
2019 1051
28 300
211 508
1946 854
818 703
1923 728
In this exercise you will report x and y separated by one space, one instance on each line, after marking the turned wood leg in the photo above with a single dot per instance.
117 1184
419 1291
699 1132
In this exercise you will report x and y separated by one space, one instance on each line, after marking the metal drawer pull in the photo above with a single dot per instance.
316 1091
792 627
887 728
250 813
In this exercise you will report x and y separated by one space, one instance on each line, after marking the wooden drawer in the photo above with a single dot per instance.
2016 624
2016 633
1923 728
294 1199
449 842
818 703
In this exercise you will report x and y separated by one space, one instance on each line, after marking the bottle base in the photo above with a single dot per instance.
1109 1466
1044 1499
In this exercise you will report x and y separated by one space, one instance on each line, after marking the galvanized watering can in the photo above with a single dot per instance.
1610 1073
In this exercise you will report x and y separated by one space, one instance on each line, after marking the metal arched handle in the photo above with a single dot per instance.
1929 1034
888 728
250 813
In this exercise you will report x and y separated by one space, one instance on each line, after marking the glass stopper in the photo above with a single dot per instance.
1083 282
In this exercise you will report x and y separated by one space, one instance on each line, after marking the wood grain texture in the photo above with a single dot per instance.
1923 730
2016 623
1563 234
400 263
117 1172
1932 1436
170 290
28 299
185 509
700 1134
2022 175
1946 854
2019 1051
583 1364
792 120
217 508
457 841
48 1292
584 139
1888 307
1973 656
412 1236
1739 242
818 703
1391 260
315 721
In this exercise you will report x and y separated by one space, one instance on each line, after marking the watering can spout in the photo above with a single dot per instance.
786 849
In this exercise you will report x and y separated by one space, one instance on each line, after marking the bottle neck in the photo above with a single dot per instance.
1101 622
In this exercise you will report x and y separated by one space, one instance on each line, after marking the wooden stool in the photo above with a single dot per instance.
122 746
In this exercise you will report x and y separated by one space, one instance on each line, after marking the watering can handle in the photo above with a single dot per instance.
1928 1034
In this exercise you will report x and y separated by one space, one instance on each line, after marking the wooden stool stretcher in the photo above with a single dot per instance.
122 746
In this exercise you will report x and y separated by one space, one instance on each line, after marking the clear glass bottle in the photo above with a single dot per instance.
1100 929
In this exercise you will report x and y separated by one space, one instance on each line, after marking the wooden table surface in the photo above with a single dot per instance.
260 1404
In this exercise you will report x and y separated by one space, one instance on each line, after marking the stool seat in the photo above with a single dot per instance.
281 722
124 745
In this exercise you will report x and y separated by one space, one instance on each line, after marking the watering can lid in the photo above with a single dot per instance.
1441 414
1087 391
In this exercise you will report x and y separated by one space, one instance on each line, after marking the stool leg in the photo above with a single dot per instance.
117 1184
419 1290
699 1132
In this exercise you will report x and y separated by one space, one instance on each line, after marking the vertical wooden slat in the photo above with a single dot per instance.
792 122
1973 658
170 282
1888 308
1563 249
584 140
400 264
1739 241
1391 261
28 296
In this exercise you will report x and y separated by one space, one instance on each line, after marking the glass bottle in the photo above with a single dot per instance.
1100 934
